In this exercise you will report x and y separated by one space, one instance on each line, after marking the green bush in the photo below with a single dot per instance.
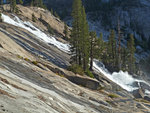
33 18
76 69
50 29
19 56
89 73
34 62
113 96
26 59
17 10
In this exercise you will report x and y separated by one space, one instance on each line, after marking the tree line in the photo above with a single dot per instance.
85 45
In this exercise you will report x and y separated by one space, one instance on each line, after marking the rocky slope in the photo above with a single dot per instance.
34 79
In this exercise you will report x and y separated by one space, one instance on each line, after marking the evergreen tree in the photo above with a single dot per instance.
131 56
13 5
92 47
33 18
119 60
52 12
80 36
1 17
41 3
112 48
50 29
76 32
124 54
20 2
37 3
56 15
31 3
1 2
41 17
85 40
66 31
100 47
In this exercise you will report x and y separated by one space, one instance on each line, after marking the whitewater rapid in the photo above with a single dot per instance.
37 32
123 79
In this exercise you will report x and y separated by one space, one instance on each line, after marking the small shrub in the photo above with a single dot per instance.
33 18
34 62
113 96
61 75
17 10
19 56
89 73
56 15
142 100
50 29
76 69
1 20
21 2
26 59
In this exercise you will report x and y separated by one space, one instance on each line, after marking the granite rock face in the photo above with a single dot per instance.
34 79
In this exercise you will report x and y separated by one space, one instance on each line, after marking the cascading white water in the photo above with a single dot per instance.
121 78
37 32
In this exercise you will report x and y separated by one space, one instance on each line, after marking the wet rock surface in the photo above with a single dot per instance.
34 79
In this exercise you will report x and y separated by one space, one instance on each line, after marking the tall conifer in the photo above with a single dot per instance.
20 2
92 47
84 40
76 31
100 47
66 31
131 52
112 48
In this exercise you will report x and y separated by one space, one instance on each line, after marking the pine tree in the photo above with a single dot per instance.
13 5
33 18
41 3
92 47
85 40
1 2
31 3
131 52
66 31
119 60
50 29
52 12
41 17
56 15
100 47
20 2
124 54
37 3
1 17
76 32
112 48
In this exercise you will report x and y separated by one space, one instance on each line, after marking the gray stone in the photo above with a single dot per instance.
147 98
138 93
